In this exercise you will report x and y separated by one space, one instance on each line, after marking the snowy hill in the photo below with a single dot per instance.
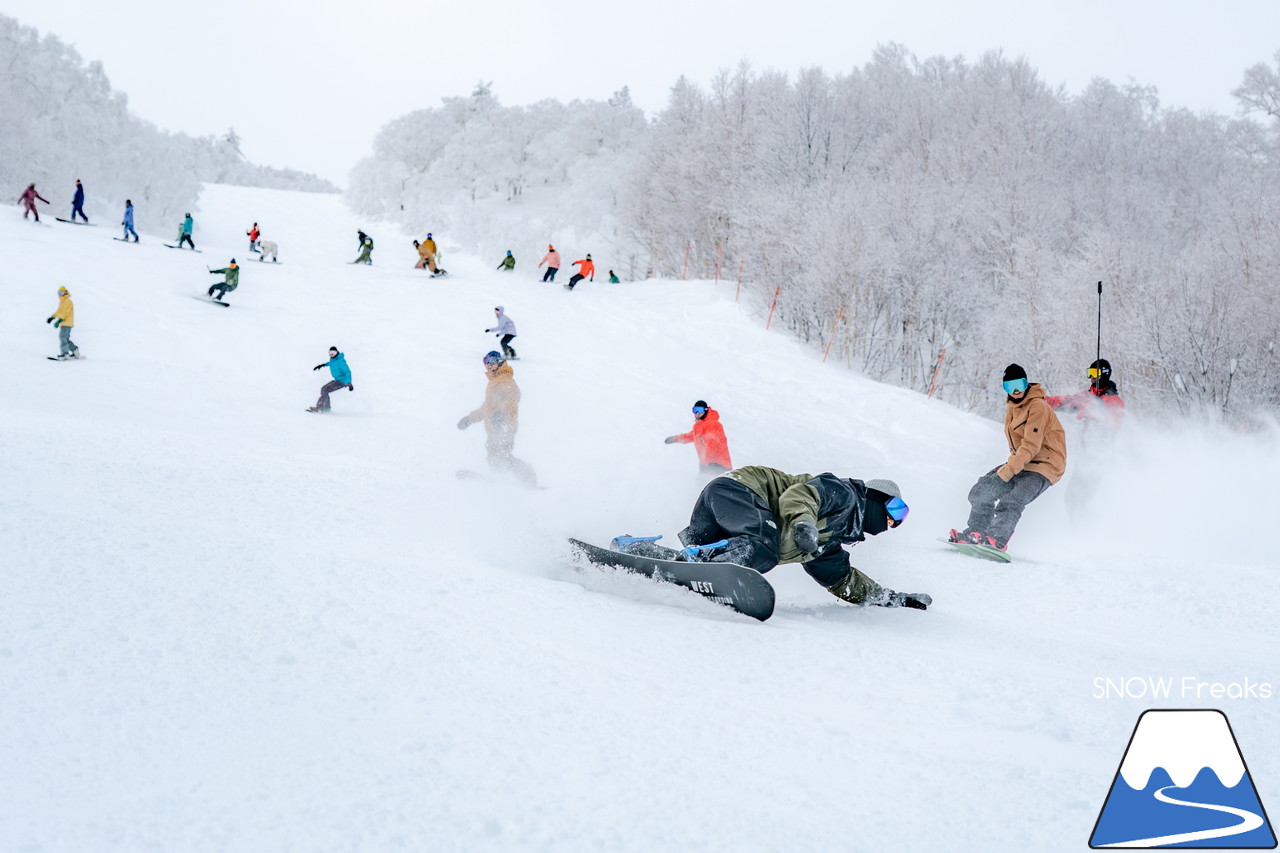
228 624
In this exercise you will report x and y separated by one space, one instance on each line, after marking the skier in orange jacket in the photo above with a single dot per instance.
585 269
707 437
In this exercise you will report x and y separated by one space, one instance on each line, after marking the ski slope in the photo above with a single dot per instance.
228 624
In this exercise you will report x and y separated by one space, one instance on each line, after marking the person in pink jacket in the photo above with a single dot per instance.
552 260
28 199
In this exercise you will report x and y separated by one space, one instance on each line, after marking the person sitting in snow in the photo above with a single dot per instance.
508 263
613 278
1037 460
707 437
341 374
766 517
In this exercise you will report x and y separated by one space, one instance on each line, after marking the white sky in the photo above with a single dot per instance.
308 85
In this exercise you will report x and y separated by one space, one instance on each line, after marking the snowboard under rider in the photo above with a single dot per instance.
707 437
341 374
769 517
1100 402
63 320
500 413
1037 460
28 201
552 260
506 330
229 283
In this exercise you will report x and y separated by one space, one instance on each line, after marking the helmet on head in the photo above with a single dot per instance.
493 357
62 290
1100 368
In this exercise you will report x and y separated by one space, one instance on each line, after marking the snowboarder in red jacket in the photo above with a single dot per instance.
707 437
1100 402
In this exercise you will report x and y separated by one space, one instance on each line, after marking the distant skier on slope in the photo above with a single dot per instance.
341 374
28 201
585 268
613 278
552 260
77 202
508 263
1100 402
127 222
230 283
63 320
707 437
769 517
506 330
268 249
366 249
254 233
1037 460
184 232
501 415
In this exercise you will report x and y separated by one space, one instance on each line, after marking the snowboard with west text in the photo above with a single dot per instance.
745 590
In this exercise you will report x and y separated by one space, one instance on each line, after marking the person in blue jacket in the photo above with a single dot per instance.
77 203
341 374
128 221
184 232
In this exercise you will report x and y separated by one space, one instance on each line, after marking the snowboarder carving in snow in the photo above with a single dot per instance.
552 260
427 254
77 202
28 201
63 320
707 437
184 232
1037 460
341 374
769 517
508 263
228 284
366 249
500 413
506 330
127 222
585 268
268 249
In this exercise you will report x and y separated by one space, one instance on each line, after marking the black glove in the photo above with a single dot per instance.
488 330
806 537
351 387
317 367
50 320
671 439
465 422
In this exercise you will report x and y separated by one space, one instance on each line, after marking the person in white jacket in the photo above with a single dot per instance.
506 330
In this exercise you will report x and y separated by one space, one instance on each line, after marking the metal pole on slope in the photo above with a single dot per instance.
738 292
936 370
1099 355
685 275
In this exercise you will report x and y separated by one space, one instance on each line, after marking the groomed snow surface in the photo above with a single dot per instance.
228 624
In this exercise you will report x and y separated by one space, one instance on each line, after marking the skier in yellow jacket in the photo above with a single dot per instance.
63 319
501 415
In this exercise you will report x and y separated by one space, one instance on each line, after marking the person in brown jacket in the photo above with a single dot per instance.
501 415
1037 460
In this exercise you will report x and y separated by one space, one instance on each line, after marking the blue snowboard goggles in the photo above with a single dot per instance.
697 410
898 509
1016 385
